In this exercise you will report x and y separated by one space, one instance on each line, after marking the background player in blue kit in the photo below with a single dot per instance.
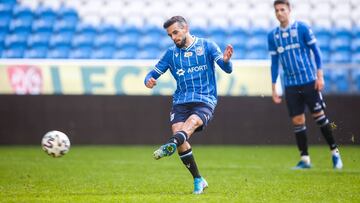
191 62
292 43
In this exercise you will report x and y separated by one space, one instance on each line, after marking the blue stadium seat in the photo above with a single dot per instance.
341 40
47 13
61 39
16 39
150 42
39 39
63 25
21 23
149 53
199 32
130 30
59 52
328 79
237 42
342 80
14 52
83 27
3 34
355 44
165 42
356 79
108 29
355 57
325 55
238 32
105 39
127 40
36 52
21 11
66 13
126 53
105 52
256 54
257 42
341 57
323 40
83 39
5 19
8 3
83 52
43 25
239 53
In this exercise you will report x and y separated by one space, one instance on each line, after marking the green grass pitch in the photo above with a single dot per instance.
129 174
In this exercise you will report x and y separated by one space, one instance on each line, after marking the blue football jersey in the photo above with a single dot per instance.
194 71
292 45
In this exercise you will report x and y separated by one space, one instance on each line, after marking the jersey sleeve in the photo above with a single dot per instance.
164 62
214 50
271 44
308 34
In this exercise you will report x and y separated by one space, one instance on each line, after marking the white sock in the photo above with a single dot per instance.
306 159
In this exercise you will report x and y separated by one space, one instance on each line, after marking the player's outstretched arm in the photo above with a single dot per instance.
150 80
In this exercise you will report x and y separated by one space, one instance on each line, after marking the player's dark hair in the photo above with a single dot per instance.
286 2
179 19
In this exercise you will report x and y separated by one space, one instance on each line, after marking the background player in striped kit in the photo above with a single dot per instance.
292 43
191 62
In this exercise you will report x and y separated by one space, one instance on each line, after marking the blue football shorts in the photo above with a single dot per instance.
181 112
301 96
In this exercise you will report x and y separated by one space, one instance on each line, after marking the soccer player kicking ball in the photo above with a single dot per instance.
191 62
292 43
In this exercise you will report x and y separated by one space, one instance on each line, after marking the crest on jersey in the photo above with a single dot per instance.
293 32
199 51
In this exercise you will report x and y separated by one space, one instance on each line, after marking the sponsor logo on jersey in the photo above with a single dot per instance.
180 72
293 32
199 51
197 68
188 54
176 54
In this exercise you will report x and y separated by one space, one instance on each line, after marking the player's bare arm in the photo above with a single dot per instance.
319 83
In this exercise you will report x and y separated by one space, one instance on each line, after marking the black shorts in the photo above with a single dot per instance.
298 97
181 112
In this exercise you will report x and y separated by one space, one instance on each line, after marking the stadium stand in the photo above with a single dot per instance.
132 29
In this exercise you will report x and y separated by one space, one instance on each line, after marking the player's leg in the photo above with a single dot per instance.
186 154
182 131
301 141
317 106
296 108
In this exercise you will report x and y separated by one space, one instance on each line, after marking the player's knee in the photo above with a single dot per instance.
298 120
195 120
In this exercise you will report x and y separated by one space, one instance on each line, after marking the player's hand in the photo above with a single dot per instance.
150 83
319 82
229 50
276 98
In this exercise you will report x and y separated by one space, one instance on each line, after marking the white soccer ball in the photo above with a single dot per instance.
55 143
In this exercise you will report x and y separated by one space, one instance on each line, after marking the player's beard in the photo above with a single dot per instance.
182 43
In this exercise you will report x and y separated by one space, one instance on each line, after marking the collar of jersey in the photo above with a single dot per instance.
291 24
192 44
